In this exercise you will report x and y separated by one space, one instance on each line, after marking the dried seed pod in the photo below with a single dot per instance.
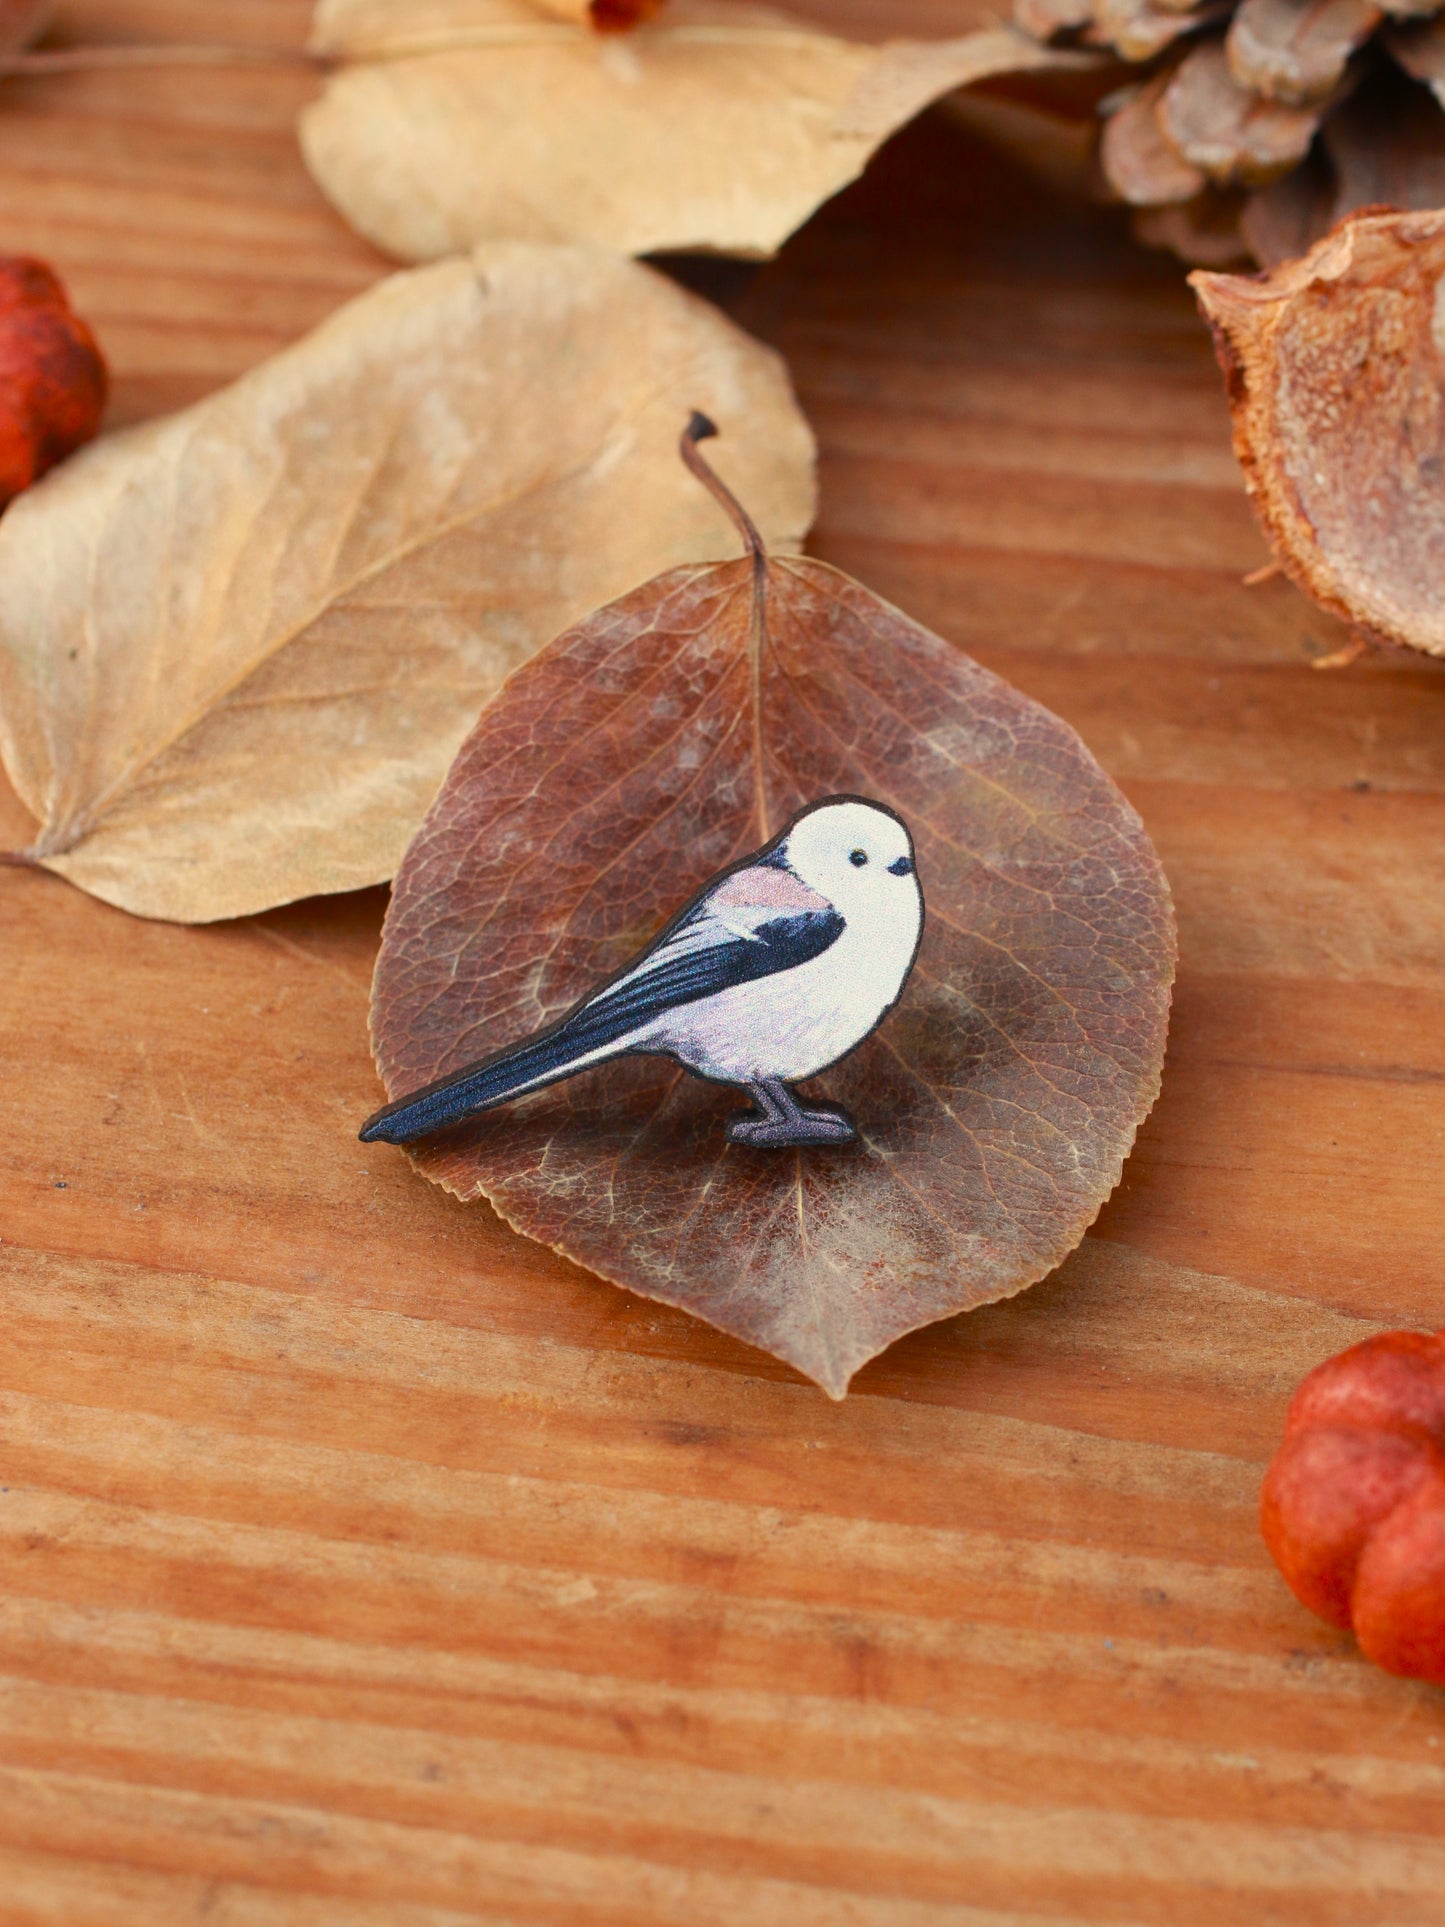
1297 50
52 376
1233 135
1333 371
1139 163
1353 1506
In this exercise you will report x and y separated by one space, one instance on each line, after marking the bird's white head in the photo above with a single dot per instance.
859 856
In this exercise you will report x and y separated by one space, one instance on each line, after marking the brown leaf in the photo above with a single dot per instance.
1337 389
1226 130
654 744
1138 162
240 646
717 126
1297 50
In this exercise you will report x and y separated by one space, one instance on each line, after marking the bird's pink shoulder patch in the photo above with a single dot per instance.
762 887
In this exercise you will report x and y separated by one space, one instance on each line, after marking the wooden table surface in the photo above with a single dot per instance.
361 1562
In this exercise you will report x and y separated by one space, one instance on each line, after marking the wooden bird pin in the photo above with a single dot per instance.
777 968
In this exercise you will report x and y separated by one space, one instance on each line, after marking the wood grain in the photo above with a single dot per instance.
363 1563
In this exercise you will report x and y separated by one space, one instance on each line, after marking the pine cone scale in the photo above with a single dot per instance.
1231 134
1297 54
1260 123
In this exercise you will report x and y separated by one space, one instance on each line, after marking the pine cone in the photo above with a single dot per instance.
1259 124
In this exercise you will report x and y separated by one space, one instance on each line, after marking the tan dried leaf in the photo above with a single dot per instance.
717 126
654 744
1336 373
1139 163
239 646
1297 50
1230 133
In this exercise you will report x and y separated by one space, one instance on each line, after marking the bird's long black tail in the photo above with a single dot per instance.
543 1059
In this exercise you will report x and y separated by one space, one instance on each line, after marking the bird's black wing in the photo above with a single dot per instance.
681 971
698 957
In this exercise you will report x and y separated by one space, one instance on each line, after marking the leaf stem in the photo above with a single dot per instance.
20 860
701 429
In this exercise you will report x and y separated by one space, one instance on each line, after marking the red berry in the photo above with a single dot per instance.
52 376
1399 1596
1353 1507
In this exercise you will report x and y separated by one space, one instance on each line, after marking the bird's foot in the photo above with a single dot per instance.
767 1133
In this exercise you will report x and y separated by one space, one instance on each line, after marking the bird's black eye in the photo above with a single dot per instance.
901 866
858 858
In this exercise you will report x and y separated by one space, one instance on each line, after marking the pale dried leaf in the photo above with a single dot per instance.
1297 50
1336 373
1138 161
996 1103
716 127
1228 132
239 646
